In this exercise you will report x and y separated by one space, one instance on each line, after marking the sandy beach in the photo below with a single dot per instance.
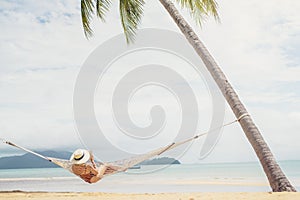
146 196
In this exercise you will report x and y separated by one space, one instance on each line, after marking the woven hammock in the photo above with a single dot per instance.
111 167
122 165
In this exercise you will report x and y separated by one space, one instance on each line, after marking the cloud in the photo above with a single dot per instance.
36 107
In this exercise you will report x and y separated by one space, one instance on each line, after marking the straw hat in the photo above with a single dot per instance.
80 156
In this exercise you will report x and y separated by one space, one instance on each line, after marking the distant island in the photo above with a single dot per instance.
30 161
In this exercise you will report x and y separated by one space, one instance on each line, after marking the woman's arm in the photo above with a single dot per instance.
92 160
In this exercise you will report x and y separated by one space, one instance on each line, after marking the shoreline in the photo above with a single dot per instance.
20 195
179 178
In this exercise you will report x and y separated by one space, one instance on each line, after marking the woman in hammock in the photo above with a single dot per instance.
87 171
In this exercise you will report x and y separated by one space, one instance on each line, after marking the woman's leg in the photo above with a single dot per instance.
102 170
100 174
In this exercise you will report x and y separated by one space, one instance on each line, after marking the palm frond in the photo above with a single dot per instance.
186 3
102 6
211 7
200 9
131 12
87 11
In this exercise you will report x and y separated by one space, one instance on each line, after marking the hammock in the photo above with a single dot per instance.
121 165
112 167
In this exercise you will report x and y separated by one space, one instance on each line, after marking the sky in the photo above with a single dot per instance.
42 49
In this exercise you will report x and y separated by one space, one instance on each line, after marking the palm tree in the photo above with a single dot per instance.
131 13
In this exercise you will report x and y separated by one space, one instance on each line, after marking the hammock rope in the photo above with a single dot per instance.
122 165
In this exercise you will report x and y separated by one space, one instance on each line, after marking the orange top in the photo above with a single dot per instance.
85 171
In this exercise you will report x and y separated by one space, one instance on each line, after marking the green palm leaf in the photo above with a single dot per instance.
102 6
87 11
200 9
131 12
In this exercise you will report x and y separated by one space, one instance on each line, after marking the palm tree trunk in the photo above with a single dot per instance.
278 181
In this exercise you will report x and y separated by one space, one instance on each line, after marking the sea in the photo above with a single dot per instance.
219 177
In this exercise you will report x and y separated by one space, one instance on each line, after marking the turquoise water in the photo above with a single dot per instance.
34 173
235 177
